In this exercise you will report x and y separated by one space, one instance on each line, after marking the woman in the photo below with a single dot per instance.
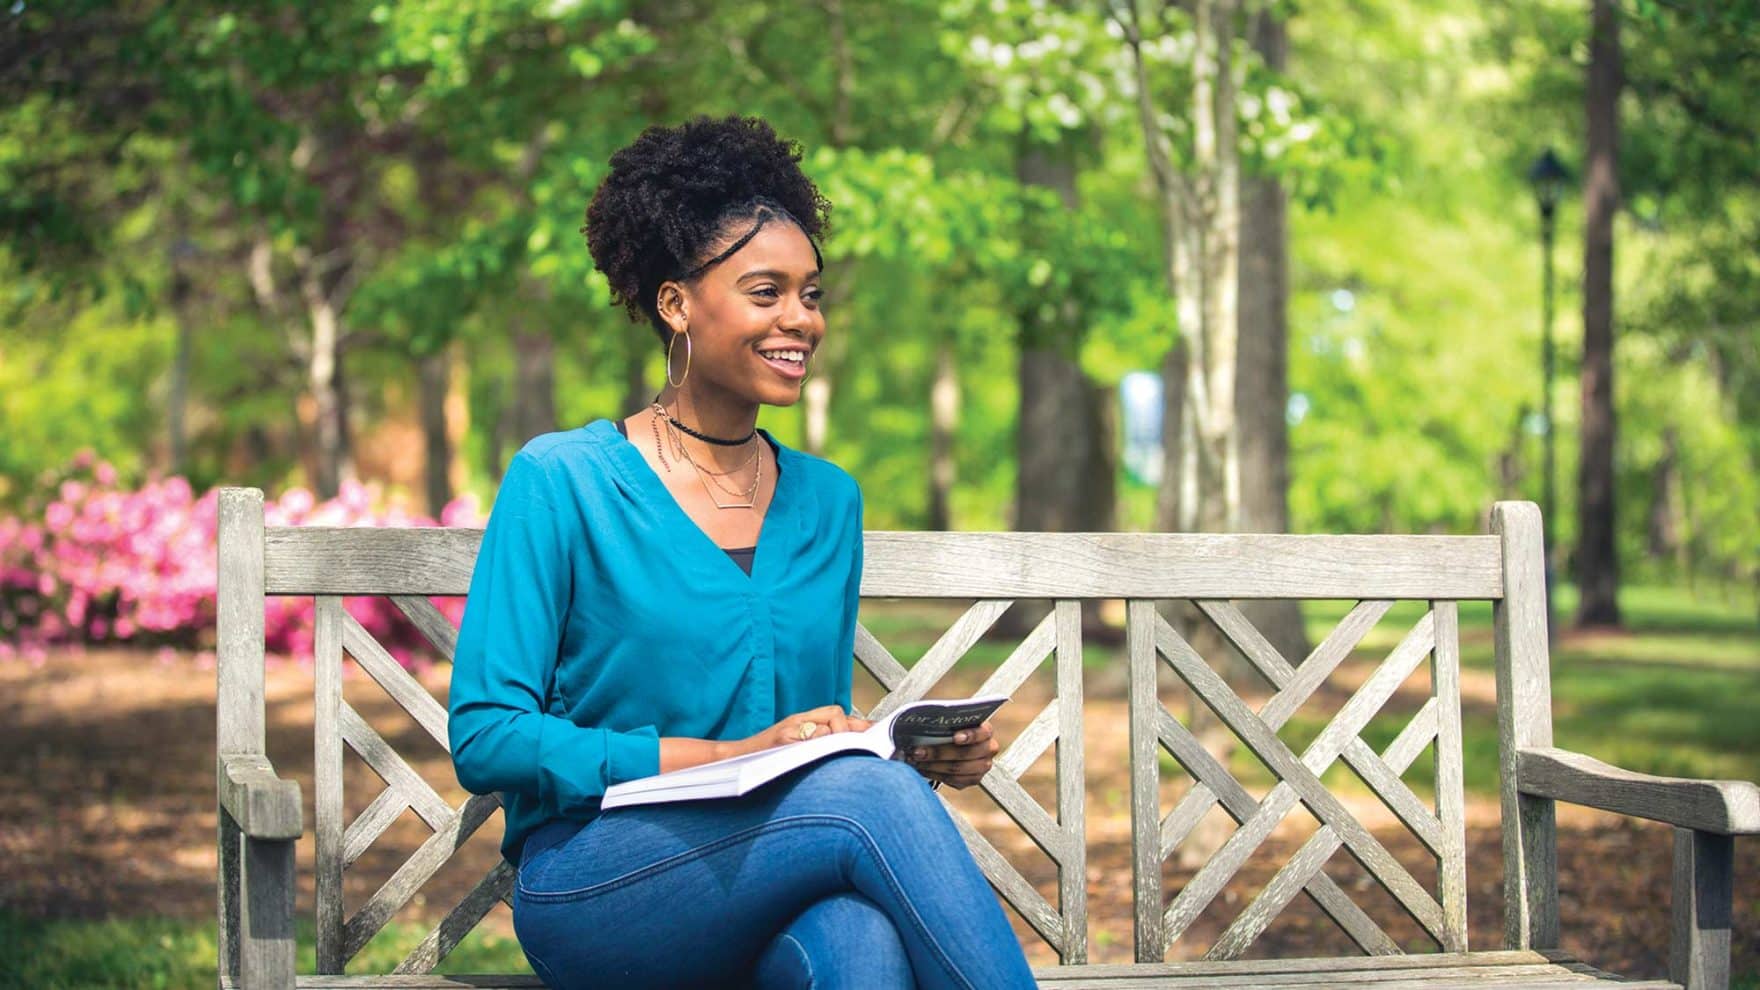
679 587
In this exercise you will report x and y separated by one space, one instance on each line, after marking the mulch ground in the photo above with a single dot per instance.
107 810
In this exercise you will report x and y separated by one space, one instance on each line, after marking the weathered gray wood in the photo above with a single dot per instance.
452 929
238 621
421 866
1206 769
356 560
240 731
1014 888
266 943
1176 565
230 849
1072 867
1524 721
1434 970
256 876
1704 891
437 561
264 806
1300 780
1027 657
329 851
397 682
1451 809
877 659
1293 691
1277 670
1302 871
425 982
1031 742
940 657
1145 707
1727 807
397 774
1304 867
1032 817
434 627
371 823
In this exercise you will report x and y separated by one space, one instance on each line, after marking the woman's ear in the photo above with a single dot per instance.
673 306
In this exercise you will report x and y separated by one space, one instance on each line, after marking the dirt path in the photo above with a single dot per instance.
106 810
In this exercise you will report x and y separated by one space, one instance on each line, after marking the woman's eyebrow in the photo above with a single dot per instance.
775 274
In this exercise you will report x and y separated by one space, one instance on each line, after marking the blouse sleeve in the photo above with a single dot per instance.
503 737
852 600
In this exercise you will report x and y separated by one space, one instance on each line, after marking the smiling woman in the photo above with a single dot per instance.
615 629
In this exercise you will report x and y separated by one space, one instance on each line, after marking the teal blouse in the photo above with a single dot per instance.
600 617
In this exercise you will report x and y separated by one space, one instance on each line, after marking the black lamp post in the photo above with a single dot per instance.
1548 176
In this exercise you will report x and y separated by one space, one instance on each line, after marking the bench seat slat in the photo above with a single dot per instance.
1440 971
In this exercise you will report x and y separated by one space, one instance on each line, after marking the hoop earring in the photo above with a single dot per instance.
687 358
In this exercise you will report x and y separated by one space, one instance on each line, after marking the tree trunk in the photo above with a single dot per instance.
1064 445
534 386
1597 557
436 375
1262 375
943 426
637 393
334 458
1200 209
816 411
177 400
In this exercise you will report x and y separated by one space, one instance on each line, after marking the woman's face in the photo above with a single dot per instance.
763 299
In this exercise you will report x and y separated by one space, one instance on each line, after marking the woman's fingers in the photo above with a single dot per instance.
956 768
979 744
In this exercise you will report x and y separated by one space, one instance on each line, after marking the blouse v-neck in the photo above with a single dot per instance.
638 472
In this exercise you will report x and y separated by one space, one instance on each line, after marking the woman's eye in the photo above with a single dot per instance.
767 292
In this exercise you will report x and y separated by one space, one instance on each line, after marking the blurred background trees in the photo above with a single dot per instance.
293 245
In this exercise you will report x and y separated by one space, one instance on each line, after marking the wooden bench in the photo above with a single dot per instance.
260 813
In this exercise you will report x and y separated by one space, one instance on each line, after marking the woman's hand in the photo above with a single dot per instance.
800 727
961 763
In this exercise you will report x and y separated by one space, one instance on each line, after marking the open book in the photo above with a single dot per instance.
920 723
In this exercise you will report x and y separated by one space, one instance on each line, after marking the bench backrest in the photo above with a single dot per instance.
994 570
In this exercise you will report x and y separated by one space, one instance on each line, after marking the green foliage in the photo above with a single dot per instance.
450 149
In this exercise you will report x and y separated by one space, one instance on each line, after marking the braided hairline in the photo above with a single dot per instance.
764 209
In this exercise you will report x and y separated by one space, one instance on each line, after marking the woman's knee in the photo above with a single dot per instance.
854 782
841 941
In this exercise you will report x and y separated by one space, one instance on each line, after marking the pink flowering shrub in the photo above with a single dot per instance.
108 565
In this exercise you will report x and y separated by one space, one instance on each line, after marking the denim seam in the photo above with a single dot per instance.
898 892
806 960
693 853
697 852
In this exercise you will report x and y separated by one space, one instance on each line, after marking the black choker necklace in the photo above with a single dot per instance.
704 436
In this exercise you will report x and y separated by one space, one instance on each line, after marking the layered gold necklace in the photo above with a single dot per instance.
708 475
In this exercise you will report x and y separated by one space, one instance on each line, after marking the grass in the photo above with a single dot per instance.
170 954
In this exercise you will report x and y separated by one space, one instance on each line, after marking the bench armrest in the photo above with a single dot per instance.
1725 807
264 805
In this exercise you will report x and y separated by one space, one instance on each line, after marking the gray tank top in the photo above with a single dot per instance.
741 555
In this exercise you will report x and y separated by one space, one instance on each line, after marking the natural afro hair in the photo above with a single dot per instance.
675 193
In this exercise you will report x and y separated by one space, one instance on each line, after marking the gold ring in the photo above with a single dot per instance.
808 728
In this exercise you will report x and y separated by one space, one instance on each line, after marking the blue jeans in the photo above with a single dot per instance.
846 873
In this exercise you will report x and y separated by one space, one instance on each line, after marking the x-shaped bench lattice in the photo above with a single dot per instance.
1441 832
1063 840
340 938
